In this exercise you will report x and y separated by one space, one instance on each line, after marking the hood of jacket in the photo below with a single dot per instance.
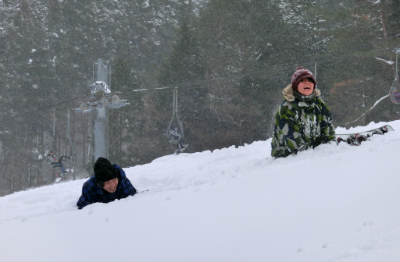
289 95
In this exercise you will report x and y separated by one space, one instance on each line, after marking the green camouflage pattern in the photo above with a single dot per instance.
301 124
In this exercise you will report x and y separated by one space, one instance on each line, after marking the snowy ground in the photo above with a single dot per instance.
334 203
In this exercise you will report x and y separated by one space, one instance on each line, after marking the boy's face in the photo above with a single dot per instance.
111 185
305 87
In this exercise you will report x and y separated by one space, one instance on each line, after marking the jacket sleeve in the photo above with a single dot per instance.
127 188
87 197
327 128
287 138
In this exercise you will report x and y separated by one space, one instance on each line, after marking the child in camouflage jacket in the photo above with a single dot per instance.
303 120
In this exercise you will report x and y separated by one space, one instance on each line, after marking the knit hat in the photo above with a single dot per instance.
103 170
299 75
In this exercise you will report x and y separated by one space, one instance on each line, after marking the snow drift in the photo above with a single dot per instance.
235 204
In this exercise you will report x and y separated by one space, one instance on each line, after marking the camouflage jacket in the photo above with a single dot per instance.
301 123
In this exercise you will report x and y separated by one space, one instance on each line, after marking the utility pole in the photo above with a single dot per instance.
101 99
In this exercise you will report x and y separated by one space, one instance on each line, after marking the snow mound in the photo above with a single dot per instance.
233 204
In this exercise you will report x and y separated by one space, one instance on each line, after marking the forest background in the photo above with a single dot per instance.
230 59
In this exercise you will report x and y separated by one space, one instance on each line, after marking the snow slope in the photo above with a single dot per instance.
334 203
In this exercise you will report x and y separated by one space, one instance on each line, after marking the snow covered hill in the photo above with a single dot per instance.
334 203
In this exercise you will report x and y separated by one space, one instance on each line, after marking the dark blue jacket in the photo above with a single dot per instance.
92 193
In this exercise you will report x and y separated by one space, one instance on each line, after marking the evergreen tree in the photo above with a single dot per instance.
184 69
